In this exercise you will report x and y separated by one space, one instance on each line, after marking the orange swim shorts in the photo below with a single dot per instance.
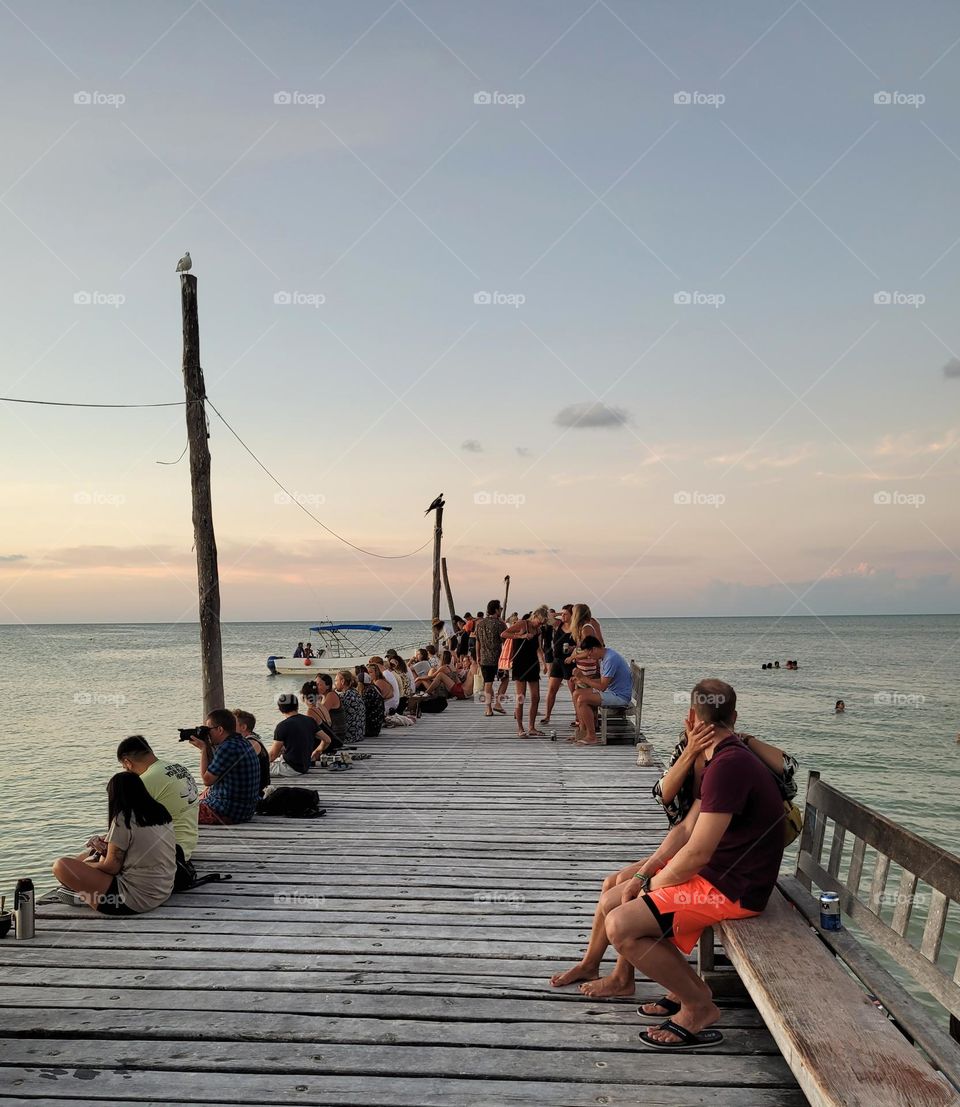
685 910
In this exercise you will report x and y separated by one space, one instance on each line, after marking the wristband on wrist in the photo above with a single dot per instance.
644 879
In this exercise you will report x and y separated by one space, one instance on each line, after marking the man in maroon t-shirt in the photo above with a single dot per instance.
720 863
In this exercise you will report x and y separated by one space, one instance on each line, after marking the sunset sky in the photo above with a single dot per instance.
663 296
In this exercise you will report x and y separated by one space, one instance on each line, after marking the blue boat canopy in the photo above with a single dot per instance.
349 626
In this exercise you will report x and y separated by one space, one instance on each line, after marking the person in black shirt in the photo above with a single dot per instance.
294 740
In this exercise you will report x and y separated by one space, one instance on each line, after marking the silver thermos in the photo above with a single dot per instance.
23 908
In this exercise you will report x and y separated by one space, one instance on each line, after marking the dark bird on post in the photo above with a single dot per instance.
438 502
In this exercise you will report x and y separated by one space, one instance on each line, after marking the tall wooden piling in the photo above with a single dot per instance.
208 578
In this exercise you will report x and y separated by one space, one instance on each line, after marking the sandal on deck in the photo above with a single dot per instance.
688 1040
670 1008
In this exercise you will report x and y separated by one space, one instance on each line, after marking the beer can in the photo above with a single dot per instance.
829 911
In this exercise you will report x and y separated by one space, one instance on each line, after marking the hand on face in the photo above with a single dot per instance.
700 735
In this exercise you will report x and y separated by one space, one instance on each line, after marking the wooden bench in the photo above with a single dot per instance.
819 991
629 715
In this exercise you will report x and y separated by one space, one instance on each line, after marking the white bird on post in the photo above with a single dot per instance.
184 264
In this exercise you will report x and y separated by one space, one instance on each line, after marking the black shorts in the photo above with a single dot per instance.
111 902
489 673
558 671
527 675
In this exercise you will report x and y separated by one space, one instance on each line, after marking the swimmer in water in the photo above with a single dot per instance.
840 707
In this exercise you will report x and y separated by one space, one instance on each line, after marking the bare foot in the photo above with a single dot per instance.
579 971
608 987
534 733
586 742
690 1018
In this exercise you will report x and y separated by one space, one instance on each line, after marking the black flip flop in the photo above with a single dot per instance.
688 1040
670 1008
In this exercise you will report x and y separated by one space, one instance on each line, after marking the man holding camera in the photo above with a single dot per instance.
229 768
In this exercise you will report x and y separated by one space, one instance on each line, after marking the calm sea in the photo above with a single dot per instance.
71 692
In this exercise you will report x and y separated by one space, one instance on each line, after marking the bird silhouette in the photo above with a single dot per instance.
438 502
184 263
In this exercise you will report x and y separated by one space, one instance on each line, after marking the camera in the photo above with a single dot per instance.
201 732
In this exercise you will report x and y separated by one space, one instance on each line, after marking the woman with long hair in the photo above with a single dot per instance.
525 665
561 667
373 709
354 712
404 676
313 695
133 868
583 625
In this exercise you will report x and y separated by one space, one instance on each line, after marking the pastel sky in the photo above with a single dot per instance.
662 295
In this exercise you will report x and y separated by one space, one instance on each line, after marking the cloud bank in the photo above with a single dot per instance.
591 415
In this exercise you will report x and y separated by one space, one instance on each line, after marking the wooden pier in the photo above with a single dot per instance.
395 952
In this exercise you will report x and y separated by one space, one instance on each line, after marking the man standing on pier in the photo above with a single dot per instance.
720 863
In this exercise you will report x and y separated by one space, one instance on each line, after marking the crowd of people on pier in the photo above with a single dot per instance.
155 808
724 794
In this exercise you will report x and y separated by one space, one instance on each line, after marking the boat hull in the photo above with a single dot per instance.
307 667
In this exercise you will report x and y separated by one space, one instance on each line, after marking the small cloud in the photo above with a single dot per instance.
517 551
906 446
13 557
952 368
523 451
591 415
471 446
863 569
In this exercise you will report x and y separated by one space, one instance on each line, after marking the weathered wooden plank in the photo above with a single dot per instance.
857 858
836 849
201 1088
933 930
271 1026
546 1005
815 1007
904 903
602 1066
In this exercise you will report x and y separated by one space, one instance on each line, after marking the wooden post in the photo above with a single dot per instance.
208 579
446 588
506 595
437 535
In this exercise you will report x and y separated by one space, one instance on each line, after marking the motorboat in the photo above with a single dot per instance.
339 646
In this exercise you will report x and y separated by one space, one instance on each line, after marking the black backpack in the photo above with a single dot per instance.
292 803
433 705
187 876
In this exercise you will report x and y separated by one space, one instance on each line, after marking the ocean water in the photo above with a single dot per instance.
71 692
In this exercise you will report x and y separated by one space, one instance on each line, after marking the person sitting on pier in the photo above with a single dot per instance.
246 722
373 709
382 676
445 681
679 785
354 712
230 770
133 869
169 784
295 745
611 687
720 863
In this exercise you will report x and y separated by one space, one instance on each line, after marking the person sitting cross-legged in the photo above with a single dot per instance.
720 863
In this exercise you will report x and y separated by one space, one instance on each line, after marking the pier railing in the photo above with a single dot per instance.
897 888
